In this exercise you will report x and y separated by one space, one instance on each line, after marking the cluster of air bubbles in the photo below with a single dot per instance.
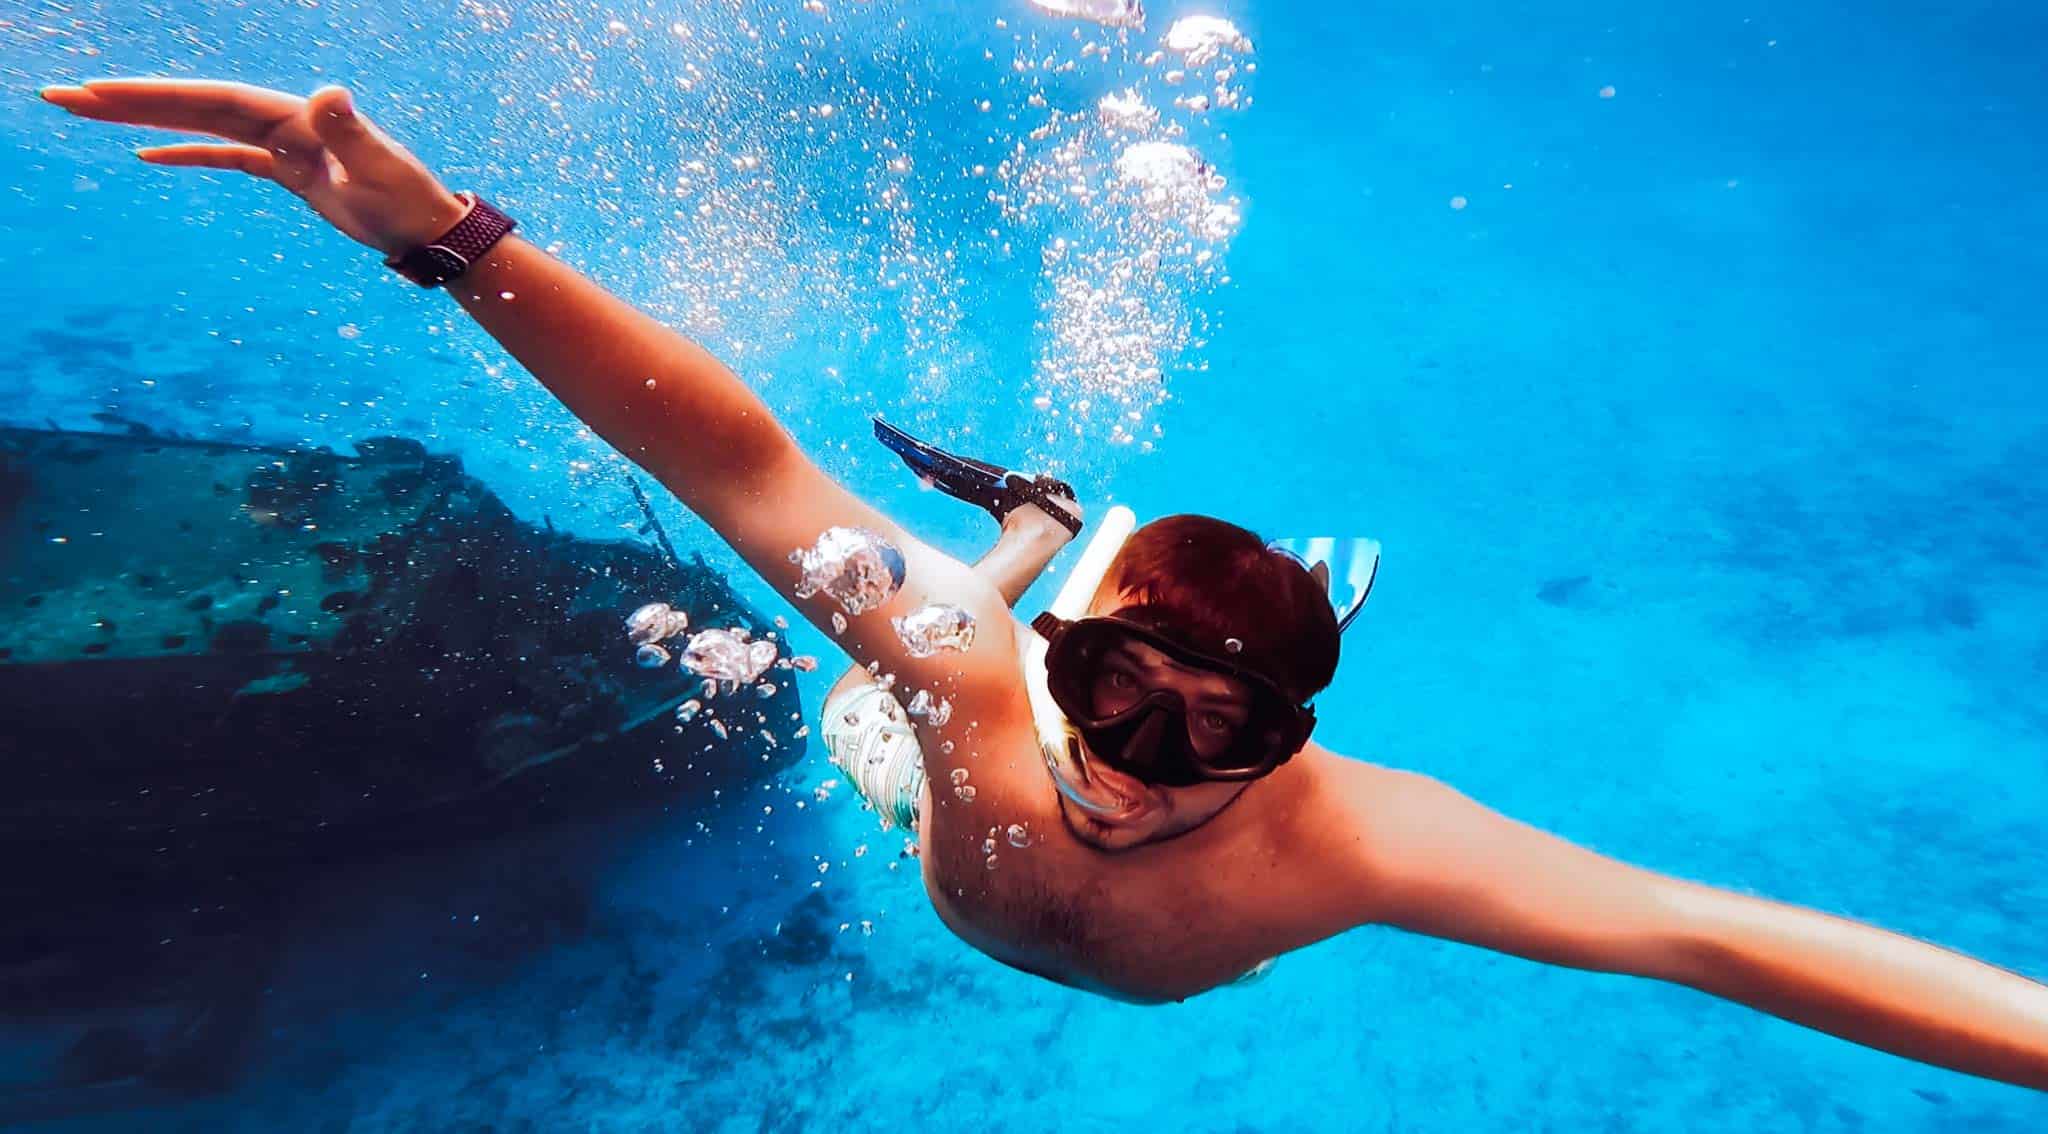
725 659
1172 181
1200 39
934 628
1127 111
962 790
935 710
1018 835
656 622
857 568
649 627
665 129
1134 220
786 182
1109 13
729 656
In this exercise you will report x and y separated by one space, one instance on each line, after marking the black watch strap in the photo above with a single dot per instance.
432 265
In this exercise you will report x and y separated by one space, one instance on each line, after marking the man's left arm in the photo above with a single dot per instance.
1428 859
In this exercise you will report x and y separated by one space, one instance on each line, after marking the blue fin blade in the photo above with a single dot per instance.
1353 564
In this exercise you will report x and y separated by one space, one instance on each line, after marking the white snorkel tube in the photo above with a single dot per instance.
1065 757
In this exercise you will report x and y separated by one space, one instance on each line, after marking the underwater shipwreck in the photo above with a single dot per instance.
223 666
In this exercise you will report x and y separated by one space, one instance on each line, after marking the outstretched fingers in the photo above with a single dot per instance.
320 148
252 160
83 103
237 111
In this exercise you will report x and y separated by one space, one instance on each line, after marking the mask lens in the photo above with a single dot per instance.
1152 733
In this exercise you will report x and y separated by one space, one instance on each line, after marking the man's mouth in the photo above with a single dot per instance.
1129 794
1104 795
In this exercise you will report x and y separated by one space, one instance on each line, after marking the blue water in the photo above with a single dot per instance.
1710 458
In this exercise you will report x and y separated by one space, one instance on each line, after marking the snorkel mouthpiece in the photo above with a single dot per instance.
1071 776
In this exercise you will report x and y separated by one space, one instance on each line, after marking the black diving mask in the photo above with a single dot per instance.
1151 733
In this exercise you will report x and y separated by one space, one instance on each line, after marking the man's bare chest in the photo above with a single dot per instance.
1147 930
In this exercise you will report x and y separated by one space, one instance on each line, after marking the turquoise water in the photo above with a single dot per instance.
1709 458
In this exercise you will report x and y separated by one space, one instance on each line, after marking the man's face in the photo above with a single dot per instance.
1123 811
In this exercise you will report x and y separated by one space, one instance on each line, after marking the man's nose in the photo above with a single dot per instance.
1142 750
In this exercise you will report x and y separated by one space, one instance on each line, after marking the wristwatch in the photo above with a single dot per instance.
432 265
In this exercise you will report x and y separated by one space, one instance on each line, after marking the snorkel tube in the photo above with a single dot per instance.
1065 756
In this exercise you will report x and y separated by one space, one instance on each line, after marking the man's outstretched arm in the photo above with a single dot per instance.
678 412
657 397
1431 860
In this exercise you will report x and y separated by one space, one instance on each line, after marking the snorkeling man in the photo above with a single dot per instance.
1154 748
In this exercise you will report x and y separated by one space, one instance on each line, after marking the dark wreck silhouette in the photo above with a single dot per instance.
225 667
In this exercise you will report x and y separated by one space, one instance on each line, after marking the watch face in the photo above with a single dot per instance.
441 263
432 265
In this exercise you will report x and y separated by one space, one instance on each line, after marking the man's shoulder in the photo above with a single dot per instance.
1356 781
1348 828
1342 796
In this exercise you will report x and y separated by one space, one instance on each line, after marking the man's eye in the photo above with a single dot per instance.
1120 680
1216 722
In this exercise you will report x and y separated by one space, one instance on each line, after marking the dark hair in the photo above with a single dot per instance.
1212 581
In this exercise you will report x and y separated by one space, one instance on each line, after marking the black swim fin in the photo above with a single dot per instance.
992 488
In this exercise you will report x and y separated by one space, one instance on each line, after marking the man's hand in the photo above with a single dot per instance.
362 182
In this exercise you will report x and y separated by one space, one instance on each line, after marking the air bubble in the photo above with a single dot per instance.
650 656
1109 13
857 568
726 655
1199 39
935 628
656 622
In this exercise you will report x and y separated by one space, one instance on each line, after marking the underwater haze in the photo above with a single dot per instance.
1687 359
